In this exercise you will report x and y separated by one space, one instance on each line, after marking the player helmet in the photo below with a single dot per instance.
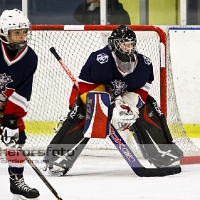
125 36
13 20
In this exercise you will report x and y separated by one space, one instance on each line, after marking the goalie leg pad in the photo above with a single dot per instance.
97 119
69 135
153 136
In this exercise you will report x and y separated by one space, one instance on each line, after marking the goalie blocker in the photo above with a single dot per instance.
153 136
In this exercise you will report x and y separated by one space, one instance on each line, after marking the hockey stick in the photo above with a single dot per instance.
41 176
120 143
38 172
34 167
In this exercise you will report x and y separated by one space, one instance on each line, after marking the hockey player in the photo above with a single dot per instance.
18 63
126 76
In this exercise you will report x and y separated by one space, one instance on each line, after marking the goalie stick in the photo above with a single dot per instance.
120 144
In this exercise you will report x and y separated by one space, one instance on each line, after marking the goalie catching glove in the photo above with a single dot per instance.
10 131
123 116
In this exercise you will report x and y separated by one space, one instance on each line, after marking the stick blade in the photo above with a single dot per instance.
157 172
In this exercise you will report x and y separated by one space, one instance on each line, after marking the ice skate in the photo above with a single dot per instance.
55 170
20 189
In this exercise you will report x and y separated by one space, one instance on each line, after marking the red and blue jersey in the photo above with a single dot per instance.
101 68
16 79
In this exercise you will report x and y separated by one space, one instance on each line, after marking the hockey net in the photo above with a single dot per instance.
52 86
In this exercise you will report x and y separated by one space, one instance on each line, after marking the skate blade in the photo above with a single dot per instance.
19 197
55 173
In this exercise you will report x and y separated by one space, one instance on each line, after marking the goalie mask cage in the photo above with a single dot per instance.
52 86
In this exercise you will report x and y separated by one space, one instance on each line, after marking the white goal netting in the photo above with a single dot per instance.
52 86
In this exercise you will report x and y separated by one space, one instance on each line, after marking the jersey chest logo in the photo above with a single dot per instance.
118 87
102 58
4 80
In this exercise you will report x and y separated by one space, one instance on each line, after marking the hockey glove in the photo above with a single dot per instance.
10 129
134 101
122 117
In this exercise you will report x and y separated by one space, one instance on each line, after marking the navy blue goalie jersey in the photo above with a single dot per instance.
101 68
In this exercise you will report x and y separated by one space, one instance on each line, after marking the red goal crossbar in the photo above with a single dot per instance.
158 30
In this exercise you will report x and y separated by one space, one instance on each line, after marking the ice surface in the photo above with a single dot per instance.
106 178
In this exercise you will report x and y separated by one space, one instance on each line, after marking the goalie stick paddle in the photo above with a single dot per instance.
120 144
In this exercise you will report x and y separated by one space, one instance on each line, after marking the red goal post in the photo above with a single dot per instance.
163 46
74 43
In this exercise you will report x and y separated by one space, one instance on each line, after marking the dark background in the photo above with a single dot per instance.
61 11
46 11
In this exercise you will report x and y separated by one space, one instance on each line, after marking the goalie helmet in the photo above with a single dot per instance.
13 20
123 43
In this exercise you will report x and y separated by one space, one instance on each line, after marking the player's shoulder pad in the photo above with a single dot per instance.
145 59
32 52
102 56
